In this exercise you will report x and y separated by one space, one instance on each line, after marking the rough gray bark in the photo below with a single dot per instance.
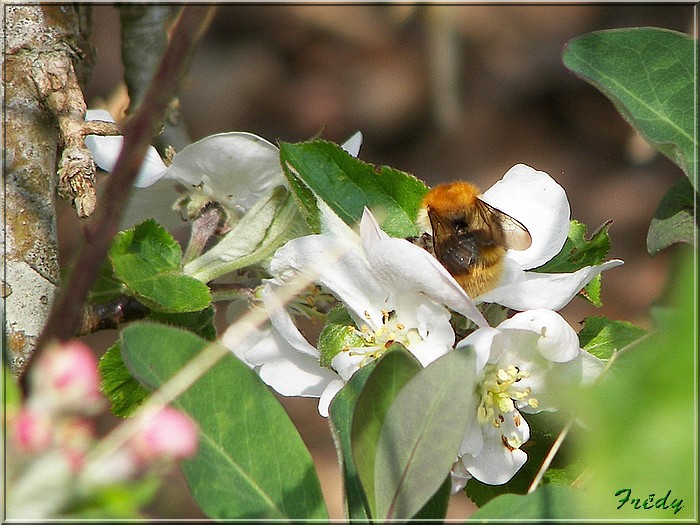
45 54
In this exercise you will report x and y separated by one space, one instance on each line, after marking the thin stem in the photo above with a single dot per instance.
550 456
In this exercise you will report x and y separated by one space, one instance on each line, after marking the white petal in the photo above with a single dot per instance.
346 364
155 202
540 204
521 290
296 375
473 440
458 477
236 165
433 323
406 267
482 341
496 464
352 145
557 341
334 226
106 150
99 114
583 370
349 276
328 394
281 365
284 324
591 367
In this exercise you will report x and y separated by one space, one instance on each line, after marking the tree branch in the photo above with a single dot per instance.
144 39
66 313
45 55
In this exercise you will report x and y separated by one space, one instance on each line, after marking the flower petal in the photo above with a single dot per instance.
481 340
521 290
106 150
290 370
557 341
237 165
496 463
283 322
348 277
352 145
328 394
347 363
540 204
409 268
458 477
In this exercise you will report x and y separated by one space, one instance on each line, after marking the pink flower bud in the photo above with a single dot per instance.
75 436
32 431
66 379
168 434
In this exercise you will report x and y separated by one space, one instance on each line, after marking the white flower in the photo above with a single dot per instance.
521 365
392 289
540 204
236 169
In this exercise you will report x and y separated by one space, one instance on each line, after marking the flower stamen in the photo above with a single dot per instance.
376 342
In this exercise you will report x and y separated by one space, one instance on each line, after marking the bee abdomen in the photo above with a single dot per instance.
459 254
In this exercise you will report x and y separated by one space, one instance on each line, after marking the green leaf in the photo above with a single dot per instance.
340 417
117 384
579 252
641 417
394 370
251 462
200 323
421 434
106 287
436 507
544 429
674 220
601 336
549 502
346 184
147 259
649 75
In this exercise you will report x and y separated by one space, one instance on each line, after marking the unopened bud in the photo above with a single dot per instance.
168 434
32 431
66 379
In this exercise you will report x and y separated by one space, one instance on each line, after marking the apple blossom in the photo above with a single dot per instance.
536 200
392 290
235 168
521 364
32 430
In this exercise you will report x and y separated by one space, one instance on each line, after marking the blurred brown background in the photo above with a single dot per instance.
441 91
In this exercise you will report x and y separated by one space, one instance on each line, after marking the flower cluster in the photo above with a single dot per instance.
52 434
389 290
394 291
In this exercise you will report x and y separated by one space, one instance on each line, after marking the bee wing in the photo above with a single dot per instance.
505 230
441 231
455 252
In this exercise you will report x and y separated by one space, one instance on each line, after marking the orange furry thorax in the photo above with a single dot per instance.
451 197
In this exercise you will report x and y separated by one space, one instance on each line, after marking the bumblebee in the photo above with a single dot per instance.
468 236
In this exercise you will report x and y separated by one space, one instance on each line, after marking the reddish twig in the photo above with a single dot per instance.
66 313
